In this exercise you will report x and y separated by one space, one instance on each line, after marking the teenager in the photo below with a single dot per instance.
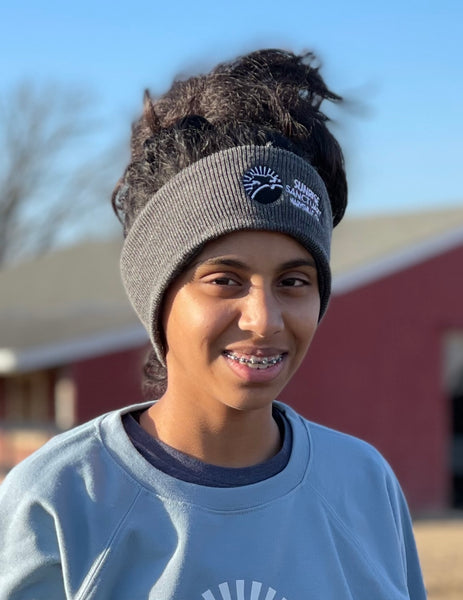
213 489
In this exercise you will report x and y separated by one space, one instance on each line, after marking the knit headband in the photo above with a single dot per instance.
242 188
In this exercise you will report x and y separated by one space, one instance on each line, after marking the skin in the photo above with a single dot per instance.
248 294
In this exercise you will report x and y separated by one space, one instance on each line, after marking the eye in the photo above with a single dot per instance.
224 281
294 282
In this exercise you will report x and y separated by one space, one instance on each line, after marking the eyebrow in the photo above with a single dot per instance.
232 262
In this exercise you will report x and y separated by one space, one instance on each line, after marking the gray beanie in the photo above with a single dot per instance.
242 188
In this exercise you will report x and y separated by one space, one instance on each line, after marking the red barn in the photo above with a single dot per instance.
386 364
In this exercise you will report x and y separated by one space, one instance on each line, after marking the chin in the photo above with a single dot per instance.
253 399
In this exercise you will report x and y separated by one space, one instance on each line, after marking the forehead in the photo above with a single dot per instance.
268 244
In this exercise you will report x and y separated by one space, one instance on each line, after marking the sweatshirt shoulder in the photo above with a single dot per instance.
329 440
345 447
45 468
63 505
337 456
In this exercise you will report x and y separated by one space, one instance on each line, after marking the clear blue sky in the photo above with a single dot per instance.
403 60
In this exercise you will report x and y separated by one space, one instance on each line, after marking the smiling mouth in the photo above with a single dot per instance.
255 362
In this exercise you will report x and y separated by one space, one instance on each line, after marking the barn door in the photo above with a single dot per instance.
453 378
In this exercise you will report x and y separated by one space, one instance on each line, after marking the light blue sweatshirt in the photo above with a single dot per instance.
87 517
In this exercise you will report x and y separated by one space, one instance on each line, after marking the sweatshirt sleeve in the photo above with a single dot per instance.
365 495
30 566
405 531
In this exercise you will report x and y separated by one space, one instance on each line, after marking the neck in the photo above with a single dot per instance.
227 437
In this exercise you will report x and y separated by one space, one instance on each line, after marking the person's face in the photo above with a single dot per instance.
239 320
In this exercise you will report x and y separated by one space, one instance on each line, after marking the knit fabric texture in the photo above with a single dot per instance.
255 188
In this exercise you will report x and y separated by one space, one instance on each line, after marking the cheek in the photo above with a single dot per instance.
307 331
210 324
305 322
192 324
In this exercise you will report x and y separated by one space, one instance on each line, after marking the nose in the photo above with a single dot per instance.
260 313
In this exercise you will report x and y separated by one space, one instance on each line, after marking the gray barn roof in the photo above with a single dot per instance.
70 304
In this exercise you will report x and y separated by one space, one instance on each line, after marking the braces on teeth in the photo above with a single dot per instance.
256 363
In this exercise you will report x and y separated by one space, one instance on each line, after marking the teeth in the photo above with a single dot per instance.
255 362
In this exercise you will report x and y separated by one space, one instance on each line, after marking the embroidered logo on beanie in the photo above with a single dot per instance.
262 184
301 196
